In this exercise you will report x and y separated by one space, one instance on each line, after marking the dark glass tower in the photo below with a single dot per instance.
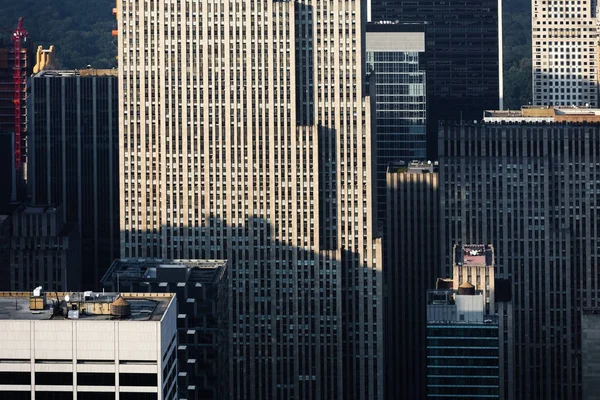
462 56
74 158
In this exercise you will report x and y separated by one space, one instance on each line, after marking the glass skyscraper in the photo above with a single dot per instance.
463 56
398 84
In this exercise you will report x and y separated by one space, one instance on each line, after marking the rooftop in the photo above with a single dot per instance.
543 114
83 306
66 73
156 269
414 167
473 255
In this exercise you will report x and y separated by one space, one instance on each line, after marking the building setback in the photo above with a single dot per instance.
565 52
246 136
462 56
57 345
393 63
530 188
411 243
202 287
74 158
44 250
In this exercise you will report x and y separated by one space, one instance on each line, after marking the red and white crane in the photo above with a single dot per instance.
19 35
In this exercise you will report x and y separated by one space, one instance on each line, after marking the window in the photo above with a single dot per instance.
95 379
53 378
127 379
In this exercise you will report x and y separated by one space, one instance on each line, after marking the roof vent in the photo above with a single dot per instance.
120 308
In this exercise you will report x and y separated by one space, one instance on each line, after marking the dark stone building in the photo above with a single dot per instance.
74 158
530 187
44 251
462 56
202 288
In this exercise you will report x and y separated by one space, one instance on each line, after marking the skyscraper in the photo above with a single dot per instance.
529 187
74 160
565 52
463 56
412 262
202 287
394 53
463 359
246 136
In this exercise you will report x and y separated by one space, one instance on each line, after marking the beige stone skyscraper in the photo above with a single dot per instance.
565 52
246 136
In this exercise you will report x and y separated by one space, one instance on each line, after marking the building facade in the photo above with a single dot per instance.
412 262
44 250
5 235
393 63
530 188
475 264
463 359
202 288
590 352
58 345
463 56
247 137
565 53
74 157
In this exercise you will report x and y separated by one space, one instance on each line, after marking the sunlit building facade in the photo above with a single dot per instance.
246 135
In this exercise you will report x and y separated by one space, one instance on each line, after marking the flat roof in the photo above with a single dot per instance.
203 271
544 114
414 167
144 306
474 255
66 73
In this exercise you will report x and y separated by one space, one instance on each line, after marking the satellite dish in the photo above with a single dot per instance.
67 298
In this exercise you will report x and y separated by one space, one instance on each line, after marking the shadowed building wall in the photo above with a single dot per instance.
412 264
530 188
74 158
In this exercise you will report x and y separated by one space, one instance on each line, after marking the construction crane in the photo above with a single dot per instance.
19 35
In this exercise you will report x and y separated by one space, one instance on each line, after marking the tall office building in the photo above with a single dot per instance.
246 136
393 62
412 262
74 159
565 52
526 181
463 357
202 288
463 53
96 346
44 251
